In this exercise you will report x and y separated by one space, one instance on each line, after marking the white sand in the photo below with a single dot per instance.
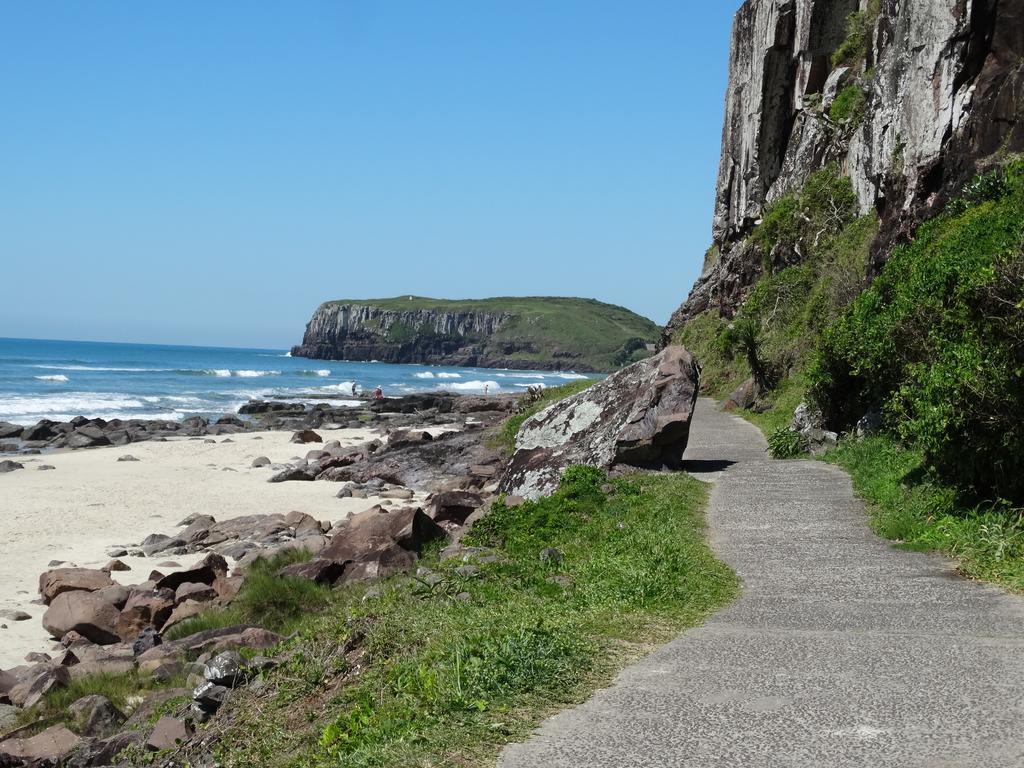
92 502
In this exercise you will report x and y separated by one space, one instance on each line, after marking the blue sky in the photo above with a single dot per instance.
199 172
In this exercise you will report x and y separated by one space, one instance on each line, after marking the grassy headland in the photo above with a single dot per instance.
545 332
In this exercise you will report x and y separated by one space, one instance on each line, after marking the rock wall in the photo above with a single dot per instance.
944 82
362 332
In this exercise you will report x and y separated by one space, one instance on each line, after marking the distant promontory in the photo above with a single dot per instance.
528 333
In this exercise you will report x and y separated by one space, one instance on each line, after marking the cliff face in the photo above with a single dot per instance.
541 334
942 82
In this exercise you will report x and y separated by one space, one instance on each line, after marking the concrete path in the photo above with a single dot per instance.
841 651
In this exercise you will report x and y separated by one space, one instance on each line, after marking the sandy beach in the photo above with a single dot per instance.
91 503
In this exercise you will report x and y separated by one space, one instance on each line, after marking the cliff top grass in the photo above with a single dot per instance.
586 333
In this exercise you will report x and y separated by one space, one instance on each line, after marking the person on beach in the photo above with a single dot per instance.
353 389
378 394
487 388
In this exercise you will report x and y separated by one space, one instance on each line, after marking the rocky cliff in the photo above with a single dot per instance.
523 333
910 98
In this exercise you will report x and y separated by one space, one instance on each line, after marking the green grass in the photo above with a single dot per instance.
118 688
908 506
444 674
273 602
584 334
505 437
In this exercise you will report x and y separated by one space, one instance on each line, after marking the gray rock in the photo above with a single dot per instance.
638 416
226 669
127 457
96 716
260 461
9 466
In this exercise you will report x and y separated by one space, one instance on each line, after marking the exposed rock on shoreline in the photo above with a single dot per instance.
639 416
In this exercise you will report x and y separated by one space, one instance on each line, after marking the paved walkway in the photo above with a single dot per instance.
841 651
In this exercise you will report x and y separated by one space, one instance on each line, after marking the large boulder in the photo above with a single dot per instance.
376 543
60 580
639 416
86 613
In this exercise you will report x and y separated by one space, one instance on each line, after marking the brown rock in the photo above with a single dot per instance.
454 506
379 564
227 587
60 580
96 716
115 565
167 734
144 609
318 570
116 594
52 744
102 666
206 572
201 593
376 528
29 692
306 436
86 613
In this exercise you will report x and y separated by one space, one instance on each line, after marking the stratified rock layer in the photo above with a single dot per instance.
639 416
945 80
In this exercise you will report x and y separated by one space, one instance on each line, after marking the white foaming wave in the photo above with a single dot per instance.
540 384
101 368
28 410
571 376
432 375
345 386
243 374
57 377
323 372
472 386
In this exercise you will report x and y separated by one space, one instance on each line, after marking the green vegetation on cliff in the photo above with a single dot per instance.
935 345
533 332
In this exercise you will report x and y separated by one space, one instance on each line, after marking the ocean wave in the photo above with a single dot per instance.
323 372
345 386
102 368
243 374
571 376
55 377
432 375
28 410
472 386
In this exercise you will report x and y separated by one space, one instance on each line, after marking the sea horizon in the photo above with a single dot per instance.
61 379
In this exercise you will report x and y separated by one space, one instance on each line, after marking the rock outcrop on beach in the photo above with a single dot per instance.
519 333
911 99
639 416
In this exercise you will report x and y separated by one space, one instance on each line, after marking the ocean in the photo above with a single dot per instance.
59 380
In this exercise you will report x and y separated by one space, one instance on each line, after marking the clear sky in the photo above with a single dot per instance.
208 172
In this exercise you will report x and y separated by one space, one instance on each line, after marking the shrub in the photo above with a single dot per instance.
805 219
786 443
848 106
937 340
854 48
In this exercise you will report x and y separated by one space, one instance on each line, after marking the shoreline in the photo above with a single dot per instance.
93 503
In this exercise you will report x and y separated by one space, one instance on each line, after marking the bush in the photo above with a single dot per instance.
854 49
848 106
938 341
805 219
786 443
